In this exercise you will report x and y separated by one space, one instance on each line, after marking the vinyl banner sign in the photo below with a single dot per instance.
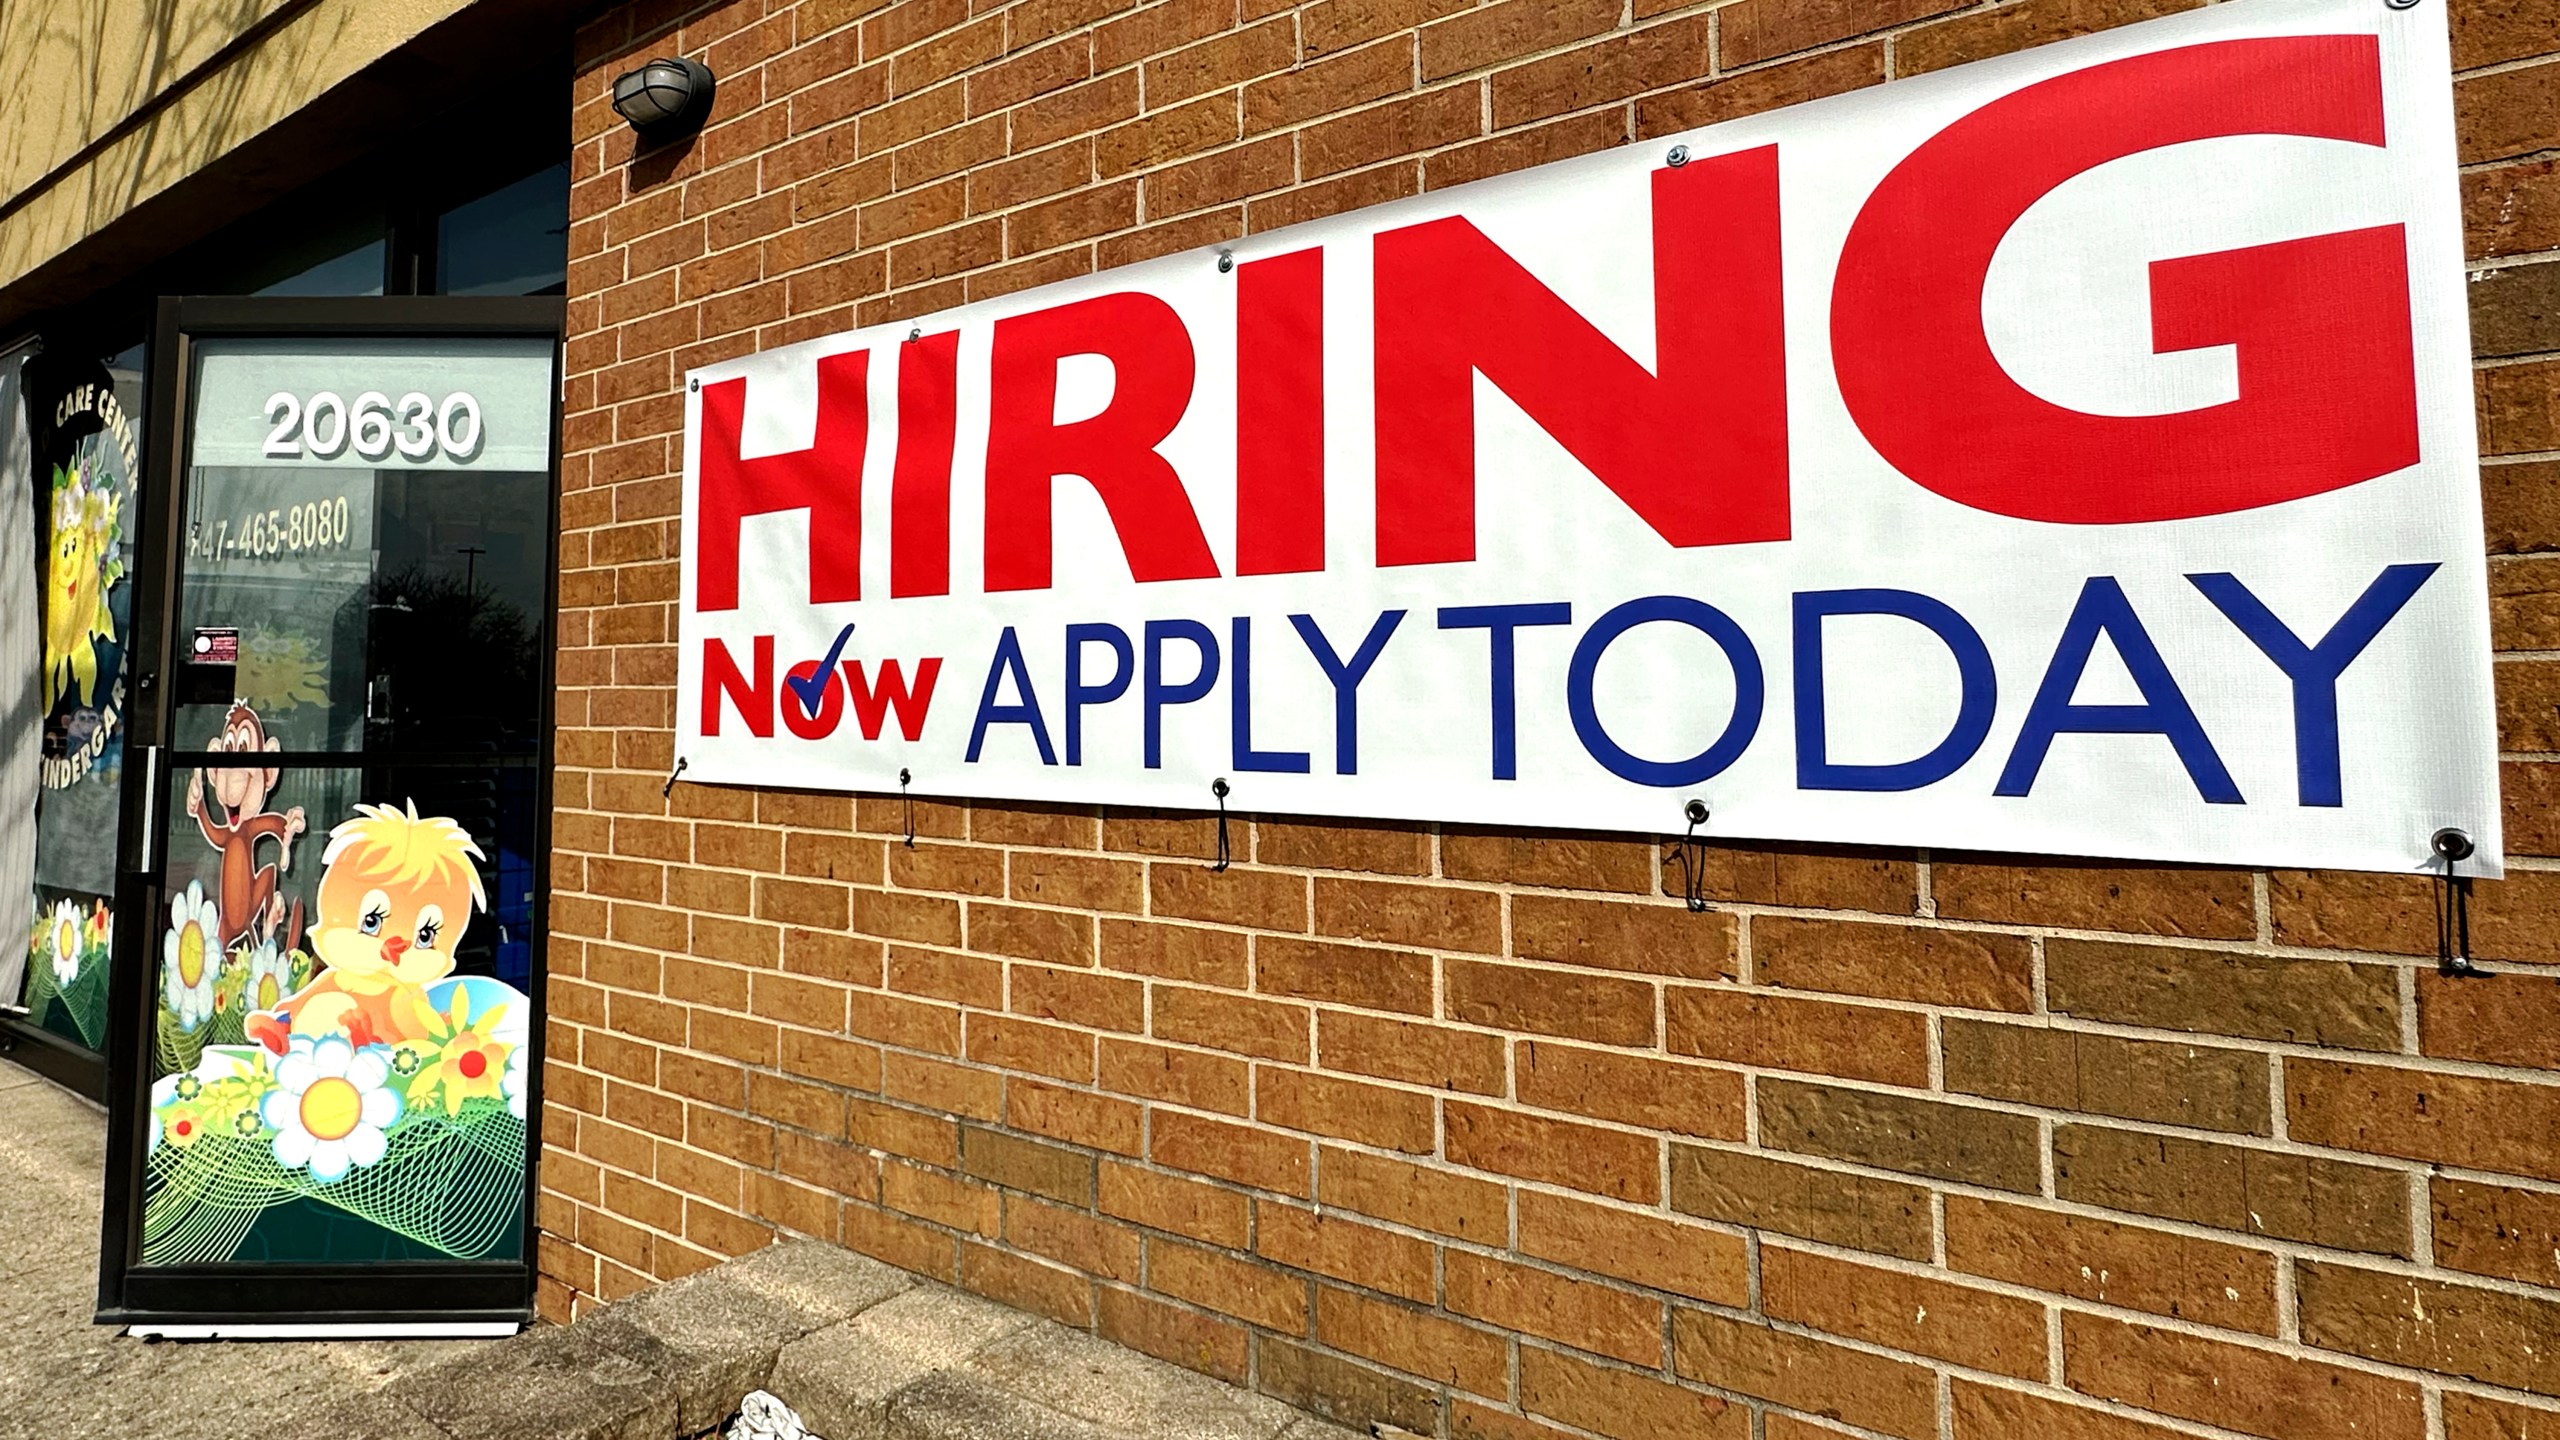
2071 452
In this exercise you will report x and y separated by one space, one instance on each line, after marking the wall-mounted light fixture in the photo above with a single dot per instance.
665 99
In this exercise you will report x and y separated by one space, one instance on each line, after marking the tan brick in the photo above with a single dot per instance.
1621 1404
1474 1420
1745 1027
1169 1202
1901 1132
1184 1077
1614 1163
1858 1211
2086 1258
2038 22
1577 1005
1168 134
2233 1187
1802 1373
1753 91
1631 1090
2087 895
1328 85
1052 1171
1083 882
1378 1115
1421 1197
1273 1299
1344 1249
953 869
1051 1050
1175 952
2256 1391
2305 1002
1383 848
1496 33
2479 1417
1183 1336
1438 1056
1894 962
1805 876
2521 501
1220 1021
1579 1313
1596 74
2512 210
1099 1002
1239 1153
1339 1390
2497 1230
1262 899
1433 917
2512 1020
1963 1326
1053 1291
1660 1254
1518 150
2163 1082
1983 1413
1653 939
1058 936
1359 975
2424 1324
2420 1115
1415 1341
942 1199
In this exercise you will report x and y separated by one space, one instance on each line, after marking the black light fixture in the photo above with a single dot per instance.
666 98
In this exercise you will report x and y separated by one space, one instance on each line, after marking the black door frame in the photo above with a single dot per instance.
385 1297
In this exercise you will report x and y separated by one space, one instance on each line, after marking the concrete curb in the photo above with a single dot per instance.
861 1350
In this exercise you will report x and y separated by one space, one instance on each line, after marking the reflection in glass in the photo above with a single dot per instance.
512 241
356 272
85 418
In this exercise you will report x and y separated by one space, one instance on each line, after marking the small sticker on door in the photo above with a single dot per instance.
215 647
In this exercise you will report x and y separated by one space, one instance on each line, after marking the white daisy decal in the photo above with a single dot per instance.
330 1107
190 956
62 943
270 978
512 1083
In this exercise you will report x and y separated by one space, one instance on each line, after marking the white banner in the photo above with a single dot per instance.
2071 452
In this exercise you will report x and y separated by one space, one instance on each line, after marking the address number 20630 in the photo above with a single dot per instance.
373 427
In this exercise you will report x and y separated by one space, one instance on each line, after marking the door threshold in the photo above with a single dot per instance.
411 1330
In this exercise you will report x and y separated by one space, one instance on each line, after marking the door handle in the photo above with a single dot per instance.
150 810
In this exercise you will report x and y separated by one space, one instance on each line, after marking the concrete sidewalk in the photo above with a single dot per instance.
64 1378
863 1351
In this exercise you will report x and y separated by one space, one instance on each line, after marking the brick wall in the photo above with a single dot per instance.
1472 1133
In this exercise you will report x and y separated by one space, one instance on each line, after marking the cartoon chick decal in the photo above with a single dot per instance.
397 894
81 568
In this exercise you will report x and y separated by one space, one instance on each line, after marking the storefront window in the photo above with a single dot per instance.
21 738
512 241
84 422
357 272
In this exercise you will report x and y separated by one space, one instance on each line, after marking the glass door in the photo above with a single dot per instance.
334 902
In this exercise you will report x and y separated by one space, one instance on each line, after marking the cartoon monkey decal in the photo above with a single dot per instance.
394 901
237 818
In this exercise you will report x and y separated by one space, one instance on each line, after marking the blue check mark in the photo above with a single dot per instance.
814 689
